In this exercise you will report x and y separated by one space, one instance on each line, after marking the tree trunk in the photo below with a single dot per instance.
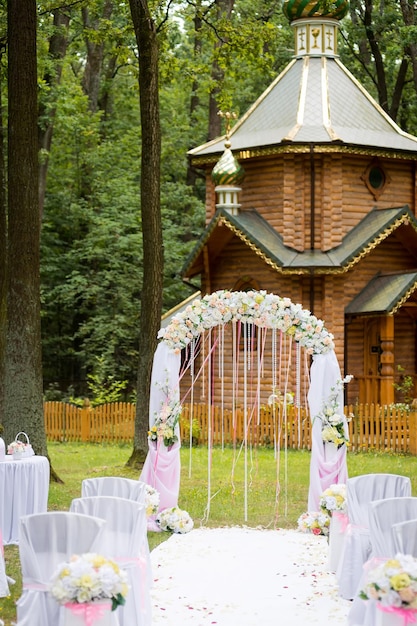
225 8
95 52
3 256
23 403
58 44
151 296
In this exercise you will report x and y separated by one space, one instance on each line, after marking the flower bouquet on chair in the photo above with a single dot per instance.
392 584
89 587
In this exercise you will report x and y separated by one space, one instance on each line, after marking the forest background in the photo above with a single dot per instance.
212 55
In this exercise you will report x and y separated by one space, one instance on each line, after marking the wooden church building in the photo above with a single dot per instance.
312 195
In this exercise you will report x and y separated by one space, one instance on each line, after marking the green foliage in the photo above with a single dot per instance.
92 234
405 387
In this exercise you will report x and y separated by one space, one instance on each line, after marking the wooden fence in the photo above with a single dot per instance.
371 427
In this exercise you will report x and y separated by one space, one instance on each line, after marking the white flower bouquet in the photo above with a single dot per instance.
151 500
393 584
334 499
175 520
315 522
89 577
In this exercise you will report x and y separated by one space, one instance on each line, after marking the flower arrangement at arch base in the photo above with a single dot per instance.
175 520
89 585
315 522
392 584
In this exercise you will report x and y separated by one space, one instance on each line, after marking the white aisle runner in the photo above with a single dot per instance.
244 577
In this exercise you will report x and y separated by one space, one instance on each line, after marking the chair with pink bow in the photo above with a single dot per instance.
360 491
384 515
125 540
47 540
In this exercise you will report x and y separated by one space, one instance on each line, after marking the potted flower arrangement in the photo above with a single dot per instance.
315 522
175 520
167 419
392 584
89 586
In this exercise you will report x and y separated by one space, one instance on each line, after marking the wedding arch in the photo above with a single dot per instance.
247 312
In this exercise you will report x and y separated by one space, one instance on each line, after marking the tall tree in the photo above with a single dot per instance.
151 295
23 405
58 43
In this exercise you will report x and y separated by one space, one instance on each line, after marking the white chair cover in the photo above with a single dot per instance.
4 587
360 491
46 541
125 540
383 515
114 486
404 537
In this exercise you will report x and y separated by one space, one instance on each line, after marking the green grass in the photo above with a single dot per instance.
229 502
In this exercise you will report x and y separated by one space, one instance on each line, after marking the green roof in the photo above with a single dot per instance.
255 231
383 294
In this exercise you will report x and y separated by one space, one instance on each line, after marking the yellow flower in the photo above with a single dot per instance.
400 581
98 561
392 563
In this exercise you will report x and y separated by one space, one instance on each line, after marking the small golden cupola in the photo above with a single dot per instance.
227 174
315 25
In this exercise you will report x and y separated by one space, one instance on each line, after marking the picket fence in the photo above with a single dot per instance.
371 427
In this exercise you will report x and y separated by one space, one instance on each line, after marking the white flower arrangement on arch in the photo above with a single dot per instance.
333 422
260 308
334 499
152 499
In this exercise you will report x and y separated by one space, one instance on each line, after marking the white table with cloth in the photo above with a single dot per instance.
24 489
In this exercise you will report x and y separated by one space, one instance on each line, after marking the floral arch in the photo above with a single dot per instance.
264 311
260 308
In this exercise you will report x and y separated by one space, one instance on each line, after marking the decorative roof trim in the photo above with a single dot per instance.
236 231
403 219
339 267
305 149
404 299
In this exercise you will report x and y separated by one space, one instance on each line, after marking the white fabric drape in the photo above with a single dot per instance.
24 488
162 466
328 464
